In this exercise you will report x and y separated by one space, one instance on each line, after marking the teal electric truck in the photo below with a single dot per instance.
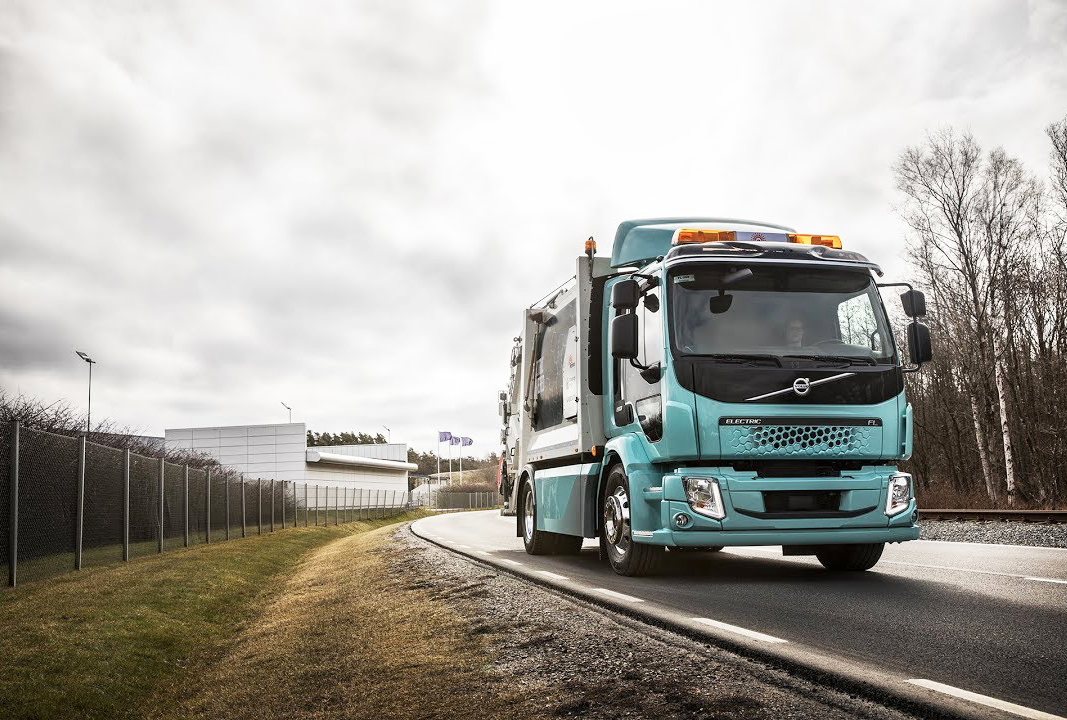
715 383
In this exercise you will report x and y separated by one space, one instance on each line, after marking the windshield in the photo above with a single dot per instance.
763 313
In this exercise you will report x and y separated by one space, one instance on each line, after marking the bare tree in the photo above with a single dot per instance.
987 243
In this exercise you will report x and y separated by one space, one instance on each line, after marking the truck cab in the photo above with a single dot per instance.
719 383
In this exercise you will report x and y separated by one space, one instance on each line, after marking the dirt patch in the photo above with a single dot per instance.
351 638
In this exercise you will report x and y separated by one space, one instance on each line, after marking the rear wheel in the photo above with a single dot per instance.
541 542
850 557
626 557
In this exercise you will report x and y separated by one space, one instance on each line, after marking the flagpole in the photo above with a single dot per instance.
429 486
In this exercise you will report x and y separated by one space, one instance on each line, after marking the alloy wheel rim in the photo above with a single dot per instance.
617 521
527 513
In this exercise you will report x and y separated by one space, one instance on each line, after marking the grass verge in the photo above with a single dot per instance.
111 641
349 637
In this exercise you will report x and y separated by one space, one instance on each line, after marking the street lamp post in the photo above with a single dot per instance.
390 438
89 412
290 412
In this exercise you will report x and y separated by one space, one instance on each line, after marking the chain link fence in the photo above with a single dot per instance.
66 503
449 500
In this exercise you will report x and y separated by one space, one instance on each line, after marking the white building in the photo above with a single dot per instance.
280 452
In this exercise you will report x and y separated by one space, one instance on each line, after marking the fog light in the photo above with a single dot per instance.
704 496
898 496
682 520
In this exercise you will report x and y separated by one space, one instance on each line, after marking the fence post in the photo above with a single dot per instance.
259 505
207 502
126 505
272 504
316 506
283 504
79 517
346 504
185 504
226 487
244 526
13 528
159 527
307 508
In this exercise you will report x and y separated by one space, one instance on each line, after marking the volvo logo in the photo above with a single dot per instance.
801 386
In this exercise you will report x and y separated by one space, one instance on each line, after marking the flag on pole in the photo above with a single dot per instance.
465 441
443 436
454 440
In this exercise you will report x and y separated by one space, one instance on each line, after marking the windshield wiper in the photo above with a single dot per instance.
847 359
745 358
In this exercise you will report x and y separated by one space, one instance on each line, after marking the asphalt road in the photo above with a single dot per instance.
986 619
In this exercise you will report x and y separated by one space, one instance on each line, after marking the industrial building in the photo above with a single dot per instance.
280 452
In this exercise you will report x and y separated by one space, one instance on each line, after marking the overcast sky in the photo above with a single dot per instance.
346 205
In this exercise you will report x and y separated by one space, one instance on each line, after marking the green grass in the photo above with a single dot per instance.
105 641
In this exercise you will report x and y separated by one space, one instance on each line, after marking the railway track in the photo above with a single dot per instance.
1036 516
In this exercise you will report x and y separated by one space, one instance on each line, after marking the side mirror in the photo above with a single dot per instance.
919 348
624 337
624 295
914 303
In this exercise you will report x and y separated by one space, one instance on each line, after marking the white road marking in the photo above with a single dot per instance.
465 547
740 630
986 700
980 572
552 575
618 595
481 552
1022 547
509 562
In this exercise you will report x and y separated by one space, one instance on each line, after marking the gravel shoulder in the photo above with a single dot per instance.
560 657
996 532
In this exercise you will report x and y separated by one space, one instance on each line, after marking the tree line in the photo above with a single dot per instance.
987 242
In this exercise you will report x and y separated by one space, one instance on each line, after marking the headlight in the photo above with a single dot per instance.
704 496
899 495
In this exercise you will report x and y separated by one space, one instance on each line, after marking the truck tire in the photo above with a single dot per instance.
541 542
625 556
850 557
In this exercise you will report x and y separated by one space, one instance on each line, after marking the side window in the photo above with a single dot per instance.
645 396
856 322
551 369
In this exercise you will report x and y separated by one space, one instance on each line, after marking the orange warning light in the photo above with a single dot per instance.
702 236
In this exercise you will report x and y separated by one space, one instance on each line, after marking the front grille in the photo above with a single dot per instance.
798 441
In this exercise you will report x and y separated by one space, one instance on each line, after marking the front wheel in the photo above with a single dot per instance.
626 557
852 558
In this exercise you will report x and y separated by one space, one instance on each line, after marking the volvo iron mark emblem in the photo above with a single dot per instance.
801 386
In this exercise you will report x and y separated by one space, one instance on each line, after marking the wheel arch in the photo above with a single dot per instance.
611 459
527 473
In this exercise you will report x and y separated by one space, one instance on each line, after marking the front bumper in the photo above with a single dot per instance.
862 499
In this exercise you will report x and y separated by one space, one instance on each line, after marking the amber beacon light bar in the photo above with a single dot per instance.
694 235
